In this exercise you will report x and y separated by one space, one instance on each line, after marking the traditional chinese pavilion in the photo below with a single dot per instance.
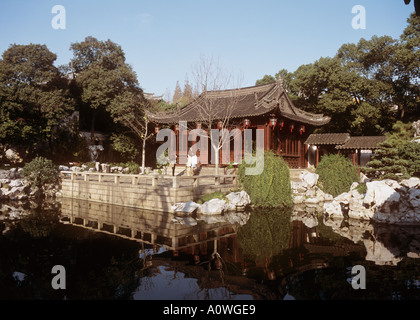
266 107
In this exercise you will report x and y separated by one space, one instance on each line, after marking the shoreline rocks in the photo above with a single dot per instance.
236 202
385 201
13 187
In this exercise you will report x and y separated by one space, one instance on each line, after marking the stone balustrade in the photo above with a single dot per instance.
152 192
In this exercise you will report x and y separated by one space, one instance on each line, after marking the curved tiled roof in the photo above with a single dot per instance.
328 138
240 103
365 142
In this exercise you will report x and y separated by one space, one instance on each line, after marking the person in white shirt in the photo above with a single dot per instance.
191 162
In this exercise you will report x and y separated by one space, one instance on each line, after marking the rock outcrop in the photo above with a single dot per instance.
236 201
14 187
385 201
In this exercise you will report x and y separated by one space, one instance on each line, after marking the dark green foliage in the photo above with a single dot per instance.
361 188
40 171
336 174
133 168
125 146
395 162
358 85
272 187
266 233
213 195
410 152
34 99
266 79
397 158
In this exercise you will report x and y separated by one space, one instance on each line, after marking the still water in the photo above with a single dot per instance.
111 252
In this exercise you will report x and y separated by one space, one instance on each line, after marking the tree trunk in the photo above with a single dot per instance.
143 156
143 151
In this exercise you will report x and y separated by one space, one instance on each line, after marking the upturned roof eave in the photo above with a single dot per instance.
274 93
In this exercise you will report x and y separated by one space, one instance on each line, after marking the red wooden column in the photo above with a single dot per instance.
267 137
300 153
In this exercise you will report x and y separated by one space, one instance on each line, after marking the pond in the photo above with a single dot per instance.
111 252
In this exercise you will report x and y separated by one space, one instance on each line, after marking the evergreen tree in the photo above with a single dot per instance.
177 93
397 158
187 95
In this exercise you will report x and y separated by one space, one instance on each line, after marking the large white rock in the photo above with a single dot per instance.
213 206
379 193
15 183
343 198
358 211
239 199
413 182
333 209
188 207
311 179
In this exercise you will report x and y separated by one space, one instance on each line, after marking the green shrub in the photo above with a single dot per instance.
40 171
271 188
361 188
125 146
213 195
336 174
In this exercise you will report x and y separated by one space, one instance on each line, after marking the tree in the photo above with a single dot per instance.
363 84
397 158
128 108
177 93
109 84
39 172
34 97
101 74
125 145
187 94
416 5
210 76
264 80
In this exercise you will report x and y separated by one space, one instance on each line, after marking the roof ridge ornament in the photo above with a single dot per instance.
280 80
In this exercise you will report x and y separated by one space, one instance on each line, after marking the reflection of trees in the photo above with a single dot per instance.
39 224
266 233
97 266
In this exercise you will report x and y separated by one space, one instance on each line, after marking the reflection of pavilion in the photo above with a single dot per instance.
149 227
305 250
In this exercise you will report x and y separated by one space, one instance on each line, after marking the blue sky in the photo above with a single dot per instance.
162 39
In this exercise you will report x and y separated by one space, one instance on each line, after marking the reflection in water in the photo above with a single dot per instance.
113 252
